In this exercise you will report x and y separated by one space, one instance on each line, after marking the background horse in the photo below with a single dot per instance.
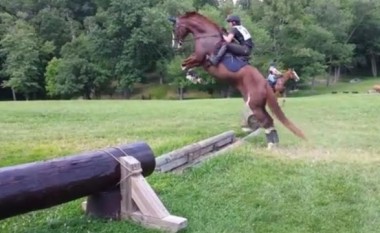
279 88
376 88
248 80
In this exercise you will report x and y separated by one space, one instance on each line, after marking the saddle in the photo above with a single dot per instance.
272 84
232 61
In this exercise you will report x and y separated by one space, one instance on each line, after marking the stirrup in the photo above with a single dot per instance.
213 59
245 58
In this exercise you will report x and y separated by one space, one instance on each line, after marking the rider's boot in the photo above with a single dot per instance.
214 59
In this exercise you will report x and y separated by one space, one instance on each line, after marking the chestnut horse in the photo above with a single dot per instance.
279 88
248 80
376 88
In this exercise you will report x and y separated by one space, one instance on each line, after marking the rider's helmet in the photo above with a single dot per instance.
233 18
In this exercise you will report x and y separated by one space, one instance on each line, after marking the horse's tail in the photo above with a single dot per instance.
276 110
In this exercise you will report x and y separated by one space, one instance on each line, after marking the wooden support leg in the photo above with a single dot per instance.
140 203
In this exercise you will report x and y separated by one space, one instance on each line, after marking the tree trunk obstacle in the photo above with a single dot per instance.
97 174
112 179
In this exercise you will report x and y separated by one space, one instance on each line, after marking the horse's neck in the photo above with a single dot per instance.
280 81
206 33
205 42
206 36
286 77
200 29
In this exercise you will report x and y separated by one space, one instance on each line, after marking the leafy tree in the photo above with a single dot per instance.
335 17
177 76
103 46
20 45
76 73
51 77
198 4
367 33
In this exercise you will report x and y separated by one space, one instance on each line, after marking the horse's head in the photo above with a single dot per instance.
293 74
180 31
196 24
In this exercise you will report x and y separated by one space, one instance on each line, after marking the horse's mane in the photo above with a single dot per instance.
190 14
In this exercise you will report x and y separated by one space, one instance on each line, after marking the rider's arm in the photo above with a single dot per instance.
229 38
274 70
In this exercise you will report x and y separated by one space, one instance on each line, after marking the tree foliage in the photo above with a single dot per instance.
88 48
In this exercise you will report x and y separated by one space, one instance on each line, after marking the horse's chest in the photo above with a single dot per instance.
206 46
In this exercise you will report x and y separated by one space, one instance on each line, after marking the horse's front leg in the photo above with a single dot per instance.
192 61
283 99
187 65
187 62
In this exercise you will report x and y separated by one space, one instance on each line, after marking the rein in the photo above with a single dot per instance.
200 37
205 36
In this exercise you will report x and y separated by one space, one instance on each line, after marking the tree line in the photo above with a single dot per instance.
88 48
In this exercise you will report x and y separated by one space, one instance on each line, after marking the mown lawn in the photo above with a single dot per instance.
340 88
328 184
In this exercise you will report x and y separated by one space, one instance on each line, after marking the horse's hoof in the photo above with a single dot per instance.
192 79
251 133
272 145
246 130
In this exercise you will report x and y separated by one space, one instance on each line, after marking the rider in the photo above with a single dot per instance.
273 74
238 32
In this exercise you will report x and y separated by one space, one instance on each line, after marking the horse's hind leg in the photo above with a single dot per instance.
271 132
265 120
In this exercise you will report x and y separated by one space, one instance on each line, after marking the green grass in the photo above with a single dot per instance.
328 184
167 92
361 87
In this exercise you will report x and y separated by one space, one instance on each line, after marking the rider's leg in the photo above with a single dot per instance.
214 59
239 50
270 82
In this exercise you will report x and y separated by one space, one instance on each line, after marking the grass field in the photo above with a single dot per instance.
363 86
328 184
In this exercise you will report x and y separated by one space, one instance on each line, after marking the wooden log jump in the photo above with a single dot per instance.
113 179
191 154
135 200
39 185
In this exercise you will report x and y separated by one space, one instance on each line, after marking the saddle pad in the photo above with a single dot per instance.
233 63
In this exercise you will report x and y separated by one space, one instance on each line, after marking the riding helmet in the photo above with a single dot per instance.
233 18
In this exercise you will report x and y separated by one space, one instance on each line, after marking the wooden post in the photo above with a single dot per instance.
127 166
140 203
